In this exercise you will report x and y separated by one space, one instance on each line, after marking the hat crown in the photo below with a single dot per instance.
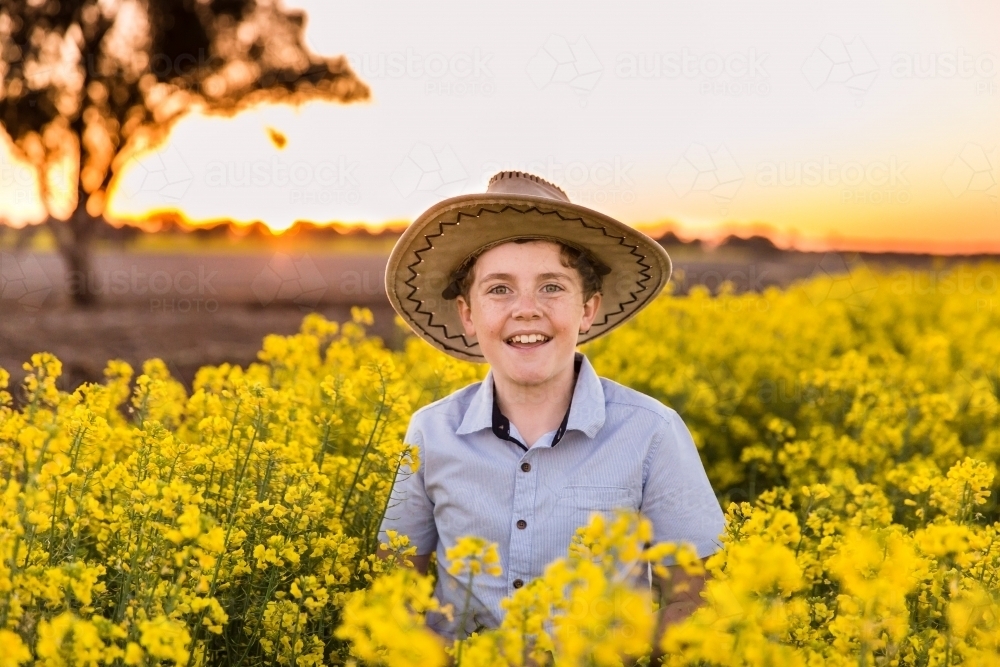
522 183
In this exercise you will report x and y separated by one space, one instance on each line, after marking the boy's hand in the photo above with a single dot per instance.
419 563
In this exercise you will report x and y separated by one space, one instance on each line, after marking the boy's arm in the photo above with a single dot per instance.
679 597
411 511
677 496
679 501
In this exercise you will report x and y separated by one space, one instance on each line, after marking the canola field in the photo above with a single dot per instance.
850 426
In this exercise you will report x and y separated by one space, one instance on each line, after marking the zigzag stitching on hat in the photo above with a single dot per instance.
419 302
644 272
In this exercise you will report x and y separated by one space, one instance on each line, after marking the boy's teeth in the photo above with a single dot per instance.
527 338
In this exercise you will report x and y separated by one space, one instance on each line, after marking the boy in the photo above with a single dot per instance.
518 277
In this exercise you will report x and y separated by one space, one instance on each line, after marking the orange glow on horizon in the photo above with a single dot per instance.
270 134
811 243
156 220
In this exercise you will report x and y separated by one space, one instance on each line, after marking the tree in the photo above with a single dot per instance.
85 84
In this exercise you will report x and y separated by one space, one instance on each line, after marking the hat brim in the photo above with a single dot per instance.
428 252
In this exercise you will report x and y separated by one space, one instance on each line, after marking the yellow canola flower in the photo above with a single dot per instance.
602 621
13 651
854 425
953 542
165 639
134 654
473 555
384 623
188 526
877 573
68 640
965 487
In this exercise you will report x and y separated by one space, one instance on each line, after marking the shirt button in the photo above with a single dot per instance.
525 467
522 524
518 583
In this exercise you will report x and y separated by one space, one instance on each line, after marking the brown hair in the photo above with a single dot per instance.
591 270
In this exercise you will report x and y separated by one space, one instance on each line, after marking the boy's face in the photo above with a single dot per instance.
523 289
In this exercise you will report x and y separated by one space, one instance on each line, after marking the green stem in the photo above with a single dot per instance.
465 612
364 453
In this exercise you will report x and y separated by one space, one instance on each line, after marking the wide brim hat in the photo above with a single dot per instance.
516 205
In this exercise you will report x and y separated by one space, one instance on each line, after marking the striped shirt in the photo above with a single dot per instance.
616 447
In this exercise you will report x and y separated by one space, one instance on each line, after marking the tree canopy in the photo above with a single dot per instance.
85 84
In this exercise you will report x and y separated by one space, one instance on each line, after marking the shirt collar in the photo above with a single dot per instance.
585 413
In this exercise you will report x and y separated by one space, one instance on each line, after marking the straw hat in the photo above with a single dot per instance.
516 205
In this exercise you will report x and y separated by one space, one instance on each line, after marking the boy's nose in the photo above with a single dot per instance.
526 305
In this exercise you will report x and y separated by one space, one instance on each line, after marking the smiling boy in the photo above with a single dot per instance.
518 277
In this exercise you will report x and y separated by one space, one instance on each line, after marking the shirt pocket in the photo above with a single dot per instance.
579 502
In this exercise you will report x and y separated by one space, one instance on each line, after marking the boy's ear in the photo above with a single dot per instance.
590 308
465 314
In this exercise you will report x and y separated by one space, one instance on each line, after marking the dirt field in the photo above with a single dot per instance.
189 310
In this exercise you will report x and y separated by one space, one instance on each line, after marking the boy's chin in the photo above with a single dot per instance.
525 371
525 375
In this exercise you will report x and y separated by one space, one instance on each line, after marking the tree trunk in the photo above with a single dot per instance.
74 238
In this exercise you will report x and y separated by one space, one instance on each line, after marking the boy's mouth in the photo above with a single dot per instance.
528 340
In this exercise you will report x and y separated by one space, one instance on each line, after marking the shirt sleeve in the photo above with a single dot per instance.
677 497
410 511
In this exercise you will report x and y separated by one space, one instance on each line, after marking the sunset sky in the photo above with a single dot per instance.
852 125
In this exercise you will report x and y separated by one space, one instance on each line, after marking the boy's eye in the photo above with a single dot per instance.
498 289
551 287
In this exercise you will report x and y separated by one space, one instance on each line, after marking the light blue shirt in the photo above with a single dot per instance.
617 448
